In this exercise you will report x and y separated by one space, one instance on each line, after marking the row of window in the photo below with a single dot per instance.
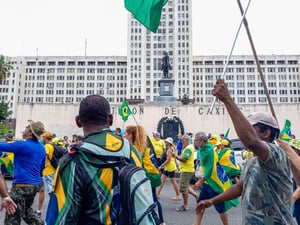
65 100
72 70
74 63
248 70
247 62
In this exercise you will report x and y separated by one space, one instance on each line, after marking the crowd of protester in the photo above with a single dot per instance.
268 184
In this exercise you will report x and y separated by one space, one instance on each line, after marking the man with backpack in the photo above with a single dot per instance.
85 192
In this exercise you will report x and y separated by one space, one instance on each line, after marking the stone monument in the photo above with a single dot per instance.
166 83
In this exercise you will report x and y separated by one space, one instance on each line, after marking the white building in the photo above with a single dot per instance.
60 79
145 51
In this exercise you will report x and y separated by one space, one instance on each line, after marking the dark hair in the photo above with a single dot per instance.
118 129
94 109
274 132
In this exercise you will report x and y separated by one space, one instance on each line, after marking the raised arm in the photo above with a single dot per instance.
243 128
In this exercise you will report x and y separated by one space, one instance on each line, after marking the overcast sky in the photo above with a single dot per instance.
60 27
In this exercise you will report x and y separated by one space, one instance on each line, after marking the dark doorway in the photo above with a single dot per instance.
170 127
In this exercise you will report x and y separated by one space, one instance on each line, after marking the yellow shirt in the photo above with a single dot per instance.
171 165
159 146
188 165
48 167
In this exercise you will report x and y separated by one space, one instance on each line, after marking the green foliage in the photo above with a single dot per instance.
4 130
4 111
4 68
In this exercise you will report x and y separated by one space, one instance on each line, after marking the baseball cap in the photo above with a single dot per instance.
225 142
48 135
214 137
264 118
37 128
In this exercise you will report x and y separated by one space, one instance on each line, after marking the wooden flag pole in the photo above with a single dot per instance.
257 62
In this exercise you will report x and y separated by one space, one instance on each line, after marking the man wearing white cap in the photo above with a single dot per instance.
266 180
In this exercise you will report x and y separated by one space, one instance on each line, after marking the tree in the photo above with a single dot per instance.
4 130
4 111
4 68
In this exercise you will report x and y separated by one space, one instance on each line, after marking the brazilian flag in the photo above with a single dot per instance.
227 160
8 162
214 173
286 131
124 111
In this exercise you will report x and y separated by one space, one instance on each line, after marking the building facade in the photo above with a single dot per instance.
68 79
145 51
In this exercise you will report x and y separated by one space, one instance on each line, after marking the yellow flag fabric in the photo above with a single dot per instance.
8 162
227 160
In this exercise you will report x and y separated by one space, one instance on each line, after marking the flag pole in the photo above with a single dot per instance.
257 63
134 119
229 56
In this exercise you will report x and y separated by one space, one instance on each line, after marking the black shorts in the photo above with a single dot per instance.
169 174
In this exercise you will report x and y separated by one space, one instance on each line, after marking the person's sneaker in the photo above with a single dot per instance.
39 214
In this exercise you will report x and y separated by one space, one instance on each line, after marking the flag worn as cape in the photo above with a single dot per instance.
214 174
124 111
147 12
286 131
227 161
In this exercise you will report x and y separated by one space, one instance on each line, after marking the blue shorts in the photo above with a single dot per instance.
206 193
48 181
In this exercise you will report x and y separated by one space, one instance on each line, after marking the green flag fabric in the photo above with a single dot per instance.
214 173
124 111
148 12
286 131
227 132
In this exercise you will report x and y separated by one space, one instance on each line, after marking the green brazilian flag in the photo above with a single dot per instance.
147 12
286 131
214 173
124 111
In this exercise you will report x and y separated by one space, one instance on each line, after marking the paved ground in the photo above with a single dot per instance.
171 216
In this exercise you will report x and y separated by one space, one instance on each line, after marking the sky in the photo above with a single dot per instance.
60 27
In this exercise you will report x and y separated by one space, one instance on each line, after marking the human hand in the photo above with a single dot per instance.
220 90
196 187
283 144
9 205
203 204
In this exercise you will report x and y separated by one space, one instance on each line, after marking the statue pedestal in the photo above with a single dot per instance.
166 86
